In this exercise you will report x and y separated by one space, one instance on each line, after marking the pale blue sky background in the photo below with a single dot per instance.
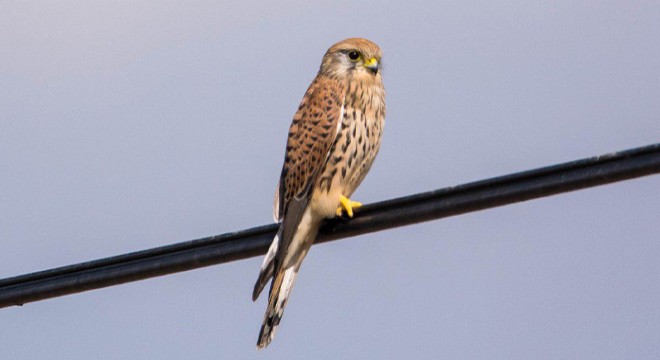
129 125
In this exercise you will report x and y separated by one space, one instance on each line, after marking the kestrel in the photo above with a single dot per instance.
333 140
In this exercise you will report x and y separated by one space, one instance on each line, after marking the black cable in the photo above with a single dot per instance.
388 214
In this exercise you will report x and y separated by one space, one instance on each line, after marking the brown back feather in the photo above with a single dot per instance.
311 135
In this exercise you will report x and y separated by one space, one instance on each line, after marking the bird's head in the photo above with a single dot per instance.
355 56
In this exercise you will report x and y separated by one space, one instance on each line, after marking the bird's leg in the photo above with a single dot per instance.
348 205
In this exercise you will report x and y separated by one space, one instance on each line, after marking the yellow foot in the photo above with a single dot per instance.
348 205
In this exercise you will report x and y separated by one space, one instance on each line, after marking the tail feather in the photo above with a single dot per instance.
295 237
267 267
280 290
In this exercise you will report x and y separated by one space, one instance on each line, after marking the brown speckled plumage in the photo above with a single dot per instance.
333 140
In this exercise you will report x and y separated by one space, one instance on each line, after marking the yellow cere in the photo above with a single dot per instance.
371 62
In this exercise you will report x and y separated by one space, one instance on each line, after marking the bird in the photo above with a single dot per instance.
332 142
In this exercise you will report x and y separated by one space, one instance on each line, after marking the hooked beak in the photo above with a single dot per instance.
372 65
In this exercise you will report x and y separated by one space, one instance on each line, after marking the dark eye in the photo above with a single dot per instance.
353 55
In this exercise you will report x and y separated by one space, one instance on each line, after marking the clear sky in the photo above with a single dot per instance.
130 125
